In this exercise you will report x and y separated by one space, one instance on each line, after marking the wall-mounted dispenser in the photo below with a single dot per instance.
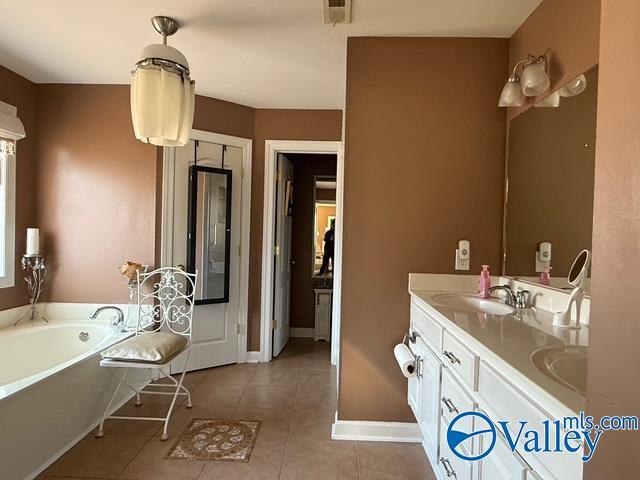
463 255
543 257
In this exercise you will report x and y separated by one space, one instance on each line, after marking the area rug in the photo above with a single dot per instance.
216 440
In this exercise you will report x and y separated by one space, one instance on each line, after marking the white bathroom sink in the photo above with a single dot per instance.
473 303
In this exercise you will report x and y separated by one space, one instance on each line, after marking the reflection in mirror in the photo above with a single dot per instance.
550 181
324 200
209 234
579 268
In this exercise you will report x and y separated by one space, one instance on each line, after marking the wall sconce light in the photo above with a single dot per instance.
574 87
162 93
535 80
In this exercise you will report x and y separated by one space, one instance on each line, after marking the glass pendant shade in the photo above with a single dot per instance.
535 79
574 87
162 97
512 95
552 101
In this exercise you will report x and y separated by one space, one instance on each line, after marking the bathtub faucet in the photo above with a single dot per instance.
119 323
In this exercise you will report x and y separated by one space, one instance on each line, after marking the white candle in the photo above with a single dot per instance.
33 241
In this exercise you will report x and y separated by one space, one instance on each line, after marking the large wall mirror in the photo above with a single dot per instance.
550 182
209 232
324 219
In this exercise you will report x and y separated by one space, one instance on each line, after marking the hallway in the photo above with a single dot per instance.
295 398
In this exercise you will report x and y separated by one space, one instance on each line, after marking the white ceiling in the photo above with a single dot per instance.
262 53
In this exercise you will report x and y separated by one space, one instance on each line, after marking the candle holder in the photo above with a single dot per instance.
35 270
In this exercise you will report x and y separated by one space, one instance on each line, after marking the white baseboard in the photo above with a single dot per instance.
376 431
296 332
253 357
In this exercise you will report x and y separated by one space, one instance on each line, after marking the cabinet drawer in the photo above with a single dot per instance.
454 400
451 466
504 403
502 463
427 327
460 359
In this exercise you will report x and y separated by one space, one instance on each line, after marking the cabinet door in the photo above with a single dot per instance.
502 463
415 383
431 371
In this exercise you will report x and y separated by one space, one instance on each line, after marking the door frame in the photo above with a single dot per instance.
272 149
166 229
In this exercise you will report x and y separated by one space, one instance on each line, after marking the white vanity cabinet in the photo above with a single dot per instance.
456 376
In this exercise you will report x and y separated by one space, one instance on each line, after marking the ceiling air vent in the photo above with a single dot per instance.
337 11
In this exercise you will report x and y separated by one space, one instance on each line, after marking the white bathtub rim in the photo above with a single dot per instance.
11 389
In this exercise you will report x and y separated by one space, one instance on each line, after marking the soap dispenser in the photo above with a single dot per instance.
484 284
545 276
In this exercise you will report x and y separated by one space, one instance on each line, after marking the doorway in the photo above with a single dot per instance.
205 228
276 268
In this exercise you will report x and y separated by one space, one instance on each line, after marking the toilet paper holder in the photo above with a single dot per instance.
410 337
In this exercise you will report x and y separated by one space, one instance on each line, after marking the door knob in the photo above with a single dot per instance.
180 267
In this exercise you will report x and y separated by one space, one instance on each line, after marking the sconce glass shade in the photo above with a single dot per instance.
535 79
512 95
574 87
552 101
162 97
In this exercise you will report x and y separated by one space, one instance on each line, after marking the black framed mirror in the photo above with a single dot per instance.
209 232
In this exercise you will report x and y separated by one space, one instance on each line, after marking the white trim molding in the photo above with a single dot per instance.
376 431
272 148
253 357
298 332
166 237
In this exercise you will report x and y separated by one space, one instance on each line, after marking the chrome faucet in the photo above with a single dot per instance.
119 323
510 296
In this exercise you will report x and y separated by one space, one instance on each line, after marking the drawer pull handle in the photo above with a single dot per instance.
447 466
452 358
450 406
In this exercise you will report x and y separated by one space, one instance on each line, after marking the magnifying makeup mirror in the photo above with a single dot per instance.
577 275
579 268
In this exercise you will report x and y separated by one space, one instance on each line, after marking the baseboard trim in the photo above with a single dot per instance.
253 357
296 332
376 431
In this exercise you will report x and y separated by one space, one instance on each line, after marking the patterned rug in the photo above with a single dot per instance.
216 440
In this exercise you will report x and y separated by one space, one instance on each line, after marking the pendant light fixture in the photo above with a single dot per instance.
162 93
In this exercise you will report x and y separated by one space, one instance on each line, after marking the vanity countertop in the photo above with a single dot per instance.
509 342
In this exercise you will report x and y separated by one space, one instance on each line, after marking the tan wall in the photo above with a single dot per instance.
614 356
21 93
302 285
568 30
273 124
96 182
428 140
551 166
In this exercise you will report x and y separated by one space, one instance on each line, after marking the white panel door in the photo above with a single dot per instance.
215 334
282 256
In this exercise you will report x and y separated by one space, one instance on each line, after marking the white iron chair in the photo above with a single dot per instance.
163 332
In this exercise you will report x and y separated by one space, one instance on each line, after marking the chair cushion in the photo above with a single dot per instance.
154 347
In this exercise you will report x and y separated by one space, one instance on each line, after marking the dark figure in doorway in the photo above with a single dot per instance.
329 239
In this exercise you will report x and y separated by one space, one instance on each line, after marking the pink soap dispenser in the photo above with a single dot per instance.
484 284
545 276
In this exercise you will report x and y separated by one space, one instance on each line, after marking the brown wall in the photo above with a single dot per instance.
428 140
614 356
302 294
96 182
21 93
568 30
551 166
273 124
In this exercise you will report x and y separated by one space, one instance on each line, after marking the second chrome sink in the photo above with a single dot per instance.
472 303
565 364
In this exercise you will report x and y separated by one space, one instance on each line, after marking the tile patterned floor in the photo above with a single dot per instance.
294 396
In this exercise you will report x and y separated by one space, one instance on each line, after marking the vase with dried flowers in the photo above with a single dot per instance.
129 271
